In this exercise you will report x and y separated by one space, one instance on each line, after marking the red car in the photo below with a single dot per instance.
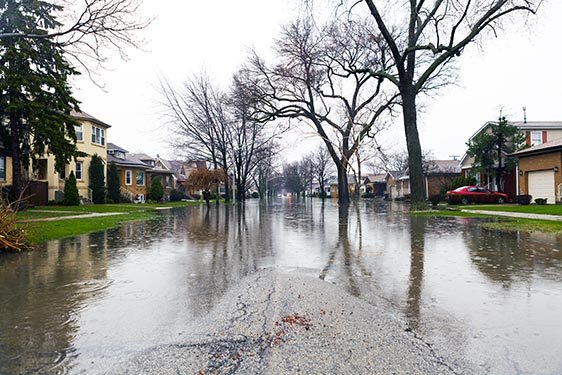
475 194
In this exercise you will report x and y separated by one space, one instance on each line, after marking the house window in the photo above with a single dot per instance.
140 178
98 135
2 168
128 177
536 138
78 170
168 180
79 133
62 174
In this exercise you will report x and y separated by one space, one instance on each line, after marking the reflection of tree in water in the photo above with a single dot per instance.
350 258
226 244
509 257
415 281
41 295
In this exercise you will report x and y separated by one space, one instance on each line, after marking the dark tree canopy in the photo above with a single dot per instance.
491 149
97 179
113 185
71 196
156 192
35 98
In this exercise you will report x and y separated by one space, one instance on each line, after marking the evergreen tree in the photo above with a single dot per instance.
35 98
156 190
97 179
71 197
113 186
490 149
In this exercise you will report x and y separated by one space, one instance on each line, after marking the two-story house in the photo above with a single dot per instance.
536 133
91 137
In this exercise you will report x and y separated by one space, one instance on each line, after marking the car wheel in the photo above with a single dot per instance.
501 200
464 200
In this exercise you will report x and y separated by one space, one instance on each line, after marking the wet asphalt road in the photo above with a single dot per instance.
278 323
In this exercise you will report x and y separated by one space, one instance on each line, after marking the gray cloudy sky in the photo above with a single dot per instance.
520 68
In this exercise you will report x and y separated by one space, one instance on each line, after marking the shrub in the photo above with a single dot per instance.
97 179
524 199
12 236
156 192
113 188
435 199
71 197
540 201
176 195
125 198
457 183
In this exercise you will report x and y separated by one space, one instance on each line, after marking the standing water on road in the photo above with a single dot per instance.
484 301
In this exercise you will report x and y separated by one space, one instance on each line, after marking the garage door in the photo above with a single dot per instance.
541 185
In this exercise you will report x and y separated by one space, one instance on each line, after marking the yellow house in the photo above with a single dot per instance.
91 137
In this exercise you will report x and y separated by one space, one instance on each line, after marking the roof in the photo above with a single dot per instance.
444 166
544 148
141 156
79 115
376 178
114 147
523 125
129 161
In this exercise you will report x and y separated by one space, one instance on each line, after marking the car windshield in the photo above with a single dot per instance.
461 188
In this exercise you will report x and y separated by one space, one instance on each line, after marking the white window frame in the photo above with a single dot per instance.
98 135
143 178
79 130
81 169
2 168
168 181
128 177
539 141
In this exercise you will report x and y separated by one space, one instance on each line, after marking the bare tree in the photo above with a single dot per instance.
265 171
322 165
85 29
249 138
423 37
200 122
316 79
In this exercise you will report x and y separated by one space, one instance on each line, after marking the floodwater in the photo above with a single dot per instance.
492 299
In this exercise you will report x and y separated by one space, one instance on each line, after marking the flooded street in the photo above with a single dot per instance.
481 301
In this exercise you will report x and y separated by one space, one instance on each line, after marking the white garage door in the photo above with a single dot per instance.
541 185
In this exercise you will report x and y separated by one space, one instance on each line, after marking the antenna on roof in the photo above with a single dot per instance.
454 156
524 115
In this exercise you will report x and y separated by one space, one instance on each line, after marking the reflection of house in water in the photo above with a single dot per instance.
505 257
51 285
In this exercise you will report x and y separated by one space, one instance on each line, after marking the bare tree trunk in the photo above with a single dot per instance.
414 148
343 188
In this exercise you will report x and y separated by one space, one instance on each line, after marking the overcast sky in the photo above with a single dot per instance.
522 67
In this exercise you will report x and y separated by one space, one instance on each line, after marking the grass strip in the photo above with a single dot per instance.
38 232
502 223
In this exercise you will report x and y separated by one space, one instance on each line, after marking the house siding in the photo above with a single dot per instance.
534 163
132 190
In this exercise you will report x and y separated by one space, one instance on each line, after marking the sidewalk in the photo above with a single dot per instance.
70 217
521 215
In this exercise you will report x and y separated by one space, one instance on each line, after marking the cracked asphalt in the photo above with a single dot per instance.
285 323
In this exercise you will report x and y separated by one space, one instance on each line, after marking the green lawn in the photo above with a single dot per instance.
38 232
548 209
504 223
